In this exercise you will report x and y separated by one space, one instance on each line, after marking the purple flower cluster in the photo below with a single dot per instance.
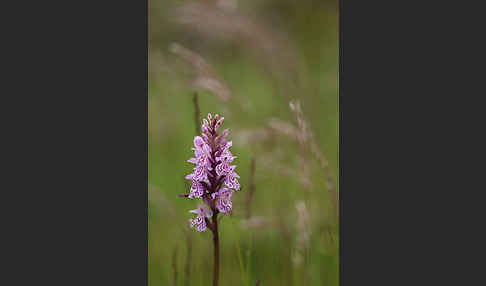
214 179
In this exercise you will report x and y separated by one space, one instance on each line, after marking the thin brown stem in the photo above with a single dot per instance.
216 249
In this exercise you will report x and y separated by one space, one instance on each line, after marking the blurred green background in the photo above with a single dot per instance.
246 60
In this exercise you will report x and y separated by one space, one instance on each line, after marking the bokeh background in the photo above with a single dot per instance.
249 61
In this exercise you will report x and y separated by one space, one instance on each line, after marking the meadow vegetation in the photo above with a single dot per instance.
271 69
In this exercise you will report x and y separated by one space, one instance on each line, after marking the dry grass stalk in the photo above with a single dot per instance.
252 136
302 246
271 47
303 150
303 226
205 76
284 128
308 135
299 135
